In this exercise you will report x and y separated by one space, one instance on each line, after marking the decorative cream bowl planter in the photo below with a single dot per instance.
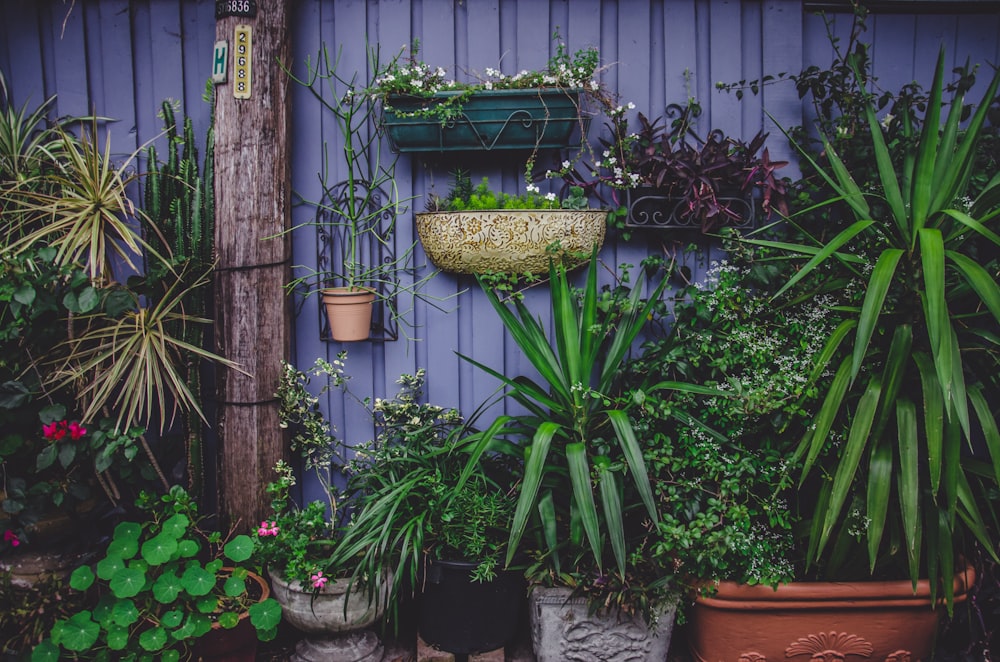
334 621
508 240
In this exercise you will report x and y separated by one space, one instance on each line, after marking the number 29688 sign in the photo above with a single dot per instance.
225 8
242 57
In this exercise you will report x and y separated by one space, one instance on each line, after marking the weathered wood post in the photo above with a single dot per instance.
252 202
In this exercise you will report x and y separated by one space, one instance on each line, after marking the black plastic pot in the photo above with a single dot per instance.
461 616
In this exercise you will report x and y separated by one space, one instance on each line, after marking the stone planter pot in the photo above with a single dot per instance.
514 240
489 120
877 621
561 629
334 621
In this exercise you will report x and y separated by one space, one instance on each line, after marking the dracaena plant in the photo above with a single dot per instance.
913 381
583 450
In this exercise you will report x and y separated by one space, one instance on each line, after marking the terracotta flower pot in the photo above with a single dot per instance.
238 644
349 312
877 621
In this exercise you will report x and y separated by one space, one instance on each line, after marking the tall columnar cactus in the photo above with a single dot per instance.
179 200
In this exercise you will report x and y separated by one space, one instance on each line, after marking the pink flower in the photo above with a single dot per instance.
11 537
76 431
318 580
49 430
266 529
57 430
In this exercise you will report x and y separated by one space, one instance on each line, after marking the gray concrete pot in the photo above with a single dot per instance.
334 621
562 630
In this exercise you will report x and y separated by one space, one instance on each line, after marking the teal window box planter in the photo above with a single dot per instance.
489 120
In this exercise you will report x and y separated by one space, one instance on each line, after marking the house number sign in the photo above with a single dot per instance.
242 43
247 8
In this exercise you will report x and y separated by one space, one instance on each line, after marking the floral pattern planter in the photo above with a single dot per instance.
876 621
512 241
489 120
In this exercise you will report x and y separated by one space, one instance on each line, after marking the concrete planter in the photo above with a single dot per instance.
334 620
562 629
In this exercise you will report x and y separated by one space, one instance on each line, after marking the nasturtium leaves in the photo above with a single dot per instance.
82 578
265 615
167 587
153 639
45 651
234 587
177 525
207 604
159 549
78 633
172 618
125 613
198 581
124 548
187 548
117 637
229 619
109 566
239 549
127 582
128 530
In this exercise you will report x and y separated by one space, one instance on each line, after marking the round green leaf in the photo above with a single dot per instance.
45 651
207 604
234 587
228 620
265 615
88 300
167 587
117 637
188 548
125 613
128 530
127 582
239 549
177 525
82 578
198 581
78 633
124 548
109 566
172 618
159 549
170 656
201 624
153 639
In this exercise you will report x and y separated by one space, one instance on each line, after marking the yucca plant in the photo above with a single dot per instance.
914 365
583 450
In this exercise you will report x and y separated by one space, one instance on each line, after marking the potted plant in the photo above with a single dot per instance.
911 379
295 543
357 215
585 495
474 230
422 110
440 529
163 585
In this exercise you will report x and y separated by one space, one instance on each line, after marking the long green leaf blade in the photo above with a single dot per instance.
583 497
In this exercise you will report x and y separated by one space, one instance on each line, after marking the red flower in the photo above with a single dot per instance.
11 537
57 430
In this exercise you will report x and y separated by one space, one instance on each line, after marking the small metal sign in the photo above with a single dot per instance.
247 8
242 43
220 62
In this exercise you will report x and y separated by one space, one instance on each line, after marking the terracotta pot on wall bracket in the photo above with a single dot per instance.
349 312
803 621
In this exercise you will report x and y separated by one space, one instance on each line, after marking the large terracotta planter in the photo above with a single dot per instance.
489 120
563 629
512 241
333 620
802 621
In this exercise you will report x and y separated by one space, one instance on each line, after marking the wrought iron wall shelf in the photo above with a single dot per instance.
648 208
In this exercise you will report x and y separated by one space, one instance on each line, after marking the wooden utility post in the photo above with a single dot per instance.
252 201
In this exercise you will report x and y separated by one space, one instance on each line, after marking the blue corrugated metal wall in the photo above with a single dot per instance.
120 58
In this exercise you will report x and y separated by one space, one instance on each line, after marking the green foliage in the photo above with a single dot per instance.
464 197
917 378
415 496
162 583
720 464
30 612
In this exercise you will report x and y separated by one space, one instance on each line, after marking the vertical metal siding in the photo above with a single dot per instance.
121 58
